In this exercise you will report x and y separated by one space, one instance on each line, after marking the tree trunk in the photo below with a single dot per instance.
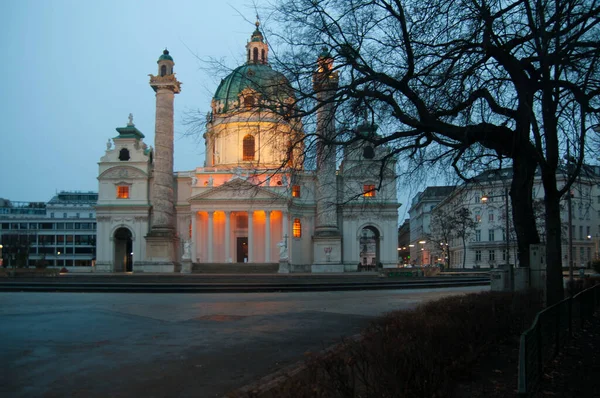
554 275
521 194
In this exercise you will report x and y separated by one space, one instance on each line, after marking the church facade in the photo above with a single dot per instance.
252 202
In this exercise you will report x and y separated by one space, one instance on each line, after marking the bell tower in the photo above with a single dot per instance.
161 241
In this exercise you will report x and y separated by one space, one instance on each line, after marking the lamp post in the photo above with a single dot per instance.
484 199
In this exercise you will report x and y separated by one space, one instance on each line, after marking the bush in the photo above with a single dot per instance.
596 265
418 353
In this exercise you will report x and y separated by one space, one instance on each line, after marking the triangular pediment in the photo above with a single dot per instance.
238 189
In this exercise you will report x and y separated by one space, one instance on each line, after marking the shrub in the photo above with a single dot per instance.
417 353
596 265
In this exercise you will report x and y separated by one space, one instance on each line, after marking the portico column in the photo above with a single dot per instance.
250 237
194 215
227 232
210 236
284 224
267 236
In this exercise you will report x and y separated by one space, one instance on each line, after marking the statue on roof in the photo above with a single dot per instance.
130 117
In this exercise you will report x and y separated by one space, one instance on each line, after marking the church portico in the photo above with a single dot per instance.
237 236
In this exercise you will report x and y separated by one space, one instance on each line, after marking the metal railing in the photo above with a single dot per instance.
551 328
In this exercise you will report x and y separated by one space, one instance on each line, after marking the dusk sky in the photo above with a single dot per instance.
75 69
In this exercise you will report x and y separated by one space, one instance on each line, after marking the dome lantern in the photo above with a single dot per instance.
258 51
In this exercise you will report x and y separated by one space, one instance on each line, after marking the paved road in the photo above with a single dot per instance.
169 345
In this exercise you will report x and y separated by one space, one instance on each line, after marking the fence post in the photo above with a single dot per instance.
570 317
557 331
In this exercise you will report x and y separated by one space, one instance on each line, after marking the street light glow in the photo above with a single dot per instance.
422 242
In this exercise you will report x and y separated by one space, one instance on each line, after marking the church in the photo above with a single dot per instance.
252 202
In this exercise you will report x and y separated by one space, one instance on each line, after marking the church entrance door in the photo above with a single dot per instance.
242 249
123 261
369 248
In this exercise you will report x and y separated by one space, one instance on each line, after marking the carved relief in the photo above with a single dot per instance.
103 218
123 172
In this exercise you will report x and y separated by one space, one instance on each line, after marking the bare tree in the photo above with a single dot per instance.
442 230
468 82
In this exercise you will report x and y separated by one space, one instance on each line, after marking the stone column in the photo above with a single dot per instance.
227 233
162 242
325 83
250 237
284 224
267 236
327 241
210 236
194 236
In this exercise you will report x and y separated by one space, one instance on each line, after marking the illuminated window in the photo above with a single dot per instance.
296 191
123 192
248 148
369 191
297 228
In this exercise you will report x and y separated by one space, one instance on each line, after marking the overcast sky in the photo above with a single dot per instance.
75 69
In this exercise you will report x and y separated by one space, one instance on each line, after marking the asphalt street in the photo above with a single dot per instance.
174 345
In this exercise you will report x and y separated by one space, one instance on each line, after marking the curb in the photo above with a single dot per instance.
265 384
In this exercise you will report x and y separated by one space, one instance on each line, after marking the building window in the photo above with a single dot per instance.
477 217
369 191
163 70
581 232
248 148
296 191
492 255
504 255
123 192
91 215
491 216
64 215
491 235
51 215
124 155
297 228
477 235
477 255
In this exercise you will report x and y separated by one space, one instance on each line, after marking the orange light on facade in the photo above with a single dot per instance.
369 191
297 228
122 192
296 191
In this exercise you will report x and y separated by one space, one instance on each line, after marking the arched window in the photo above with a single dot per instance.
163 70
255 53
248 148
297 228
124 155
248 55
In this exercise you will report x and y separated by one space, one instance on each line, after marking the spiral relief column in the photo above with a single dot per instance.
162 242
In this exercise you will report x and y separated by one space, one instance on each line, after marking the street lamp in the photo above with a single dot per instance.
484 199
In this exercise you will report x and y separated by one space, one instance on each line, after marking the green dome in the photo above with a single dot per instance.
165 56
268 83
